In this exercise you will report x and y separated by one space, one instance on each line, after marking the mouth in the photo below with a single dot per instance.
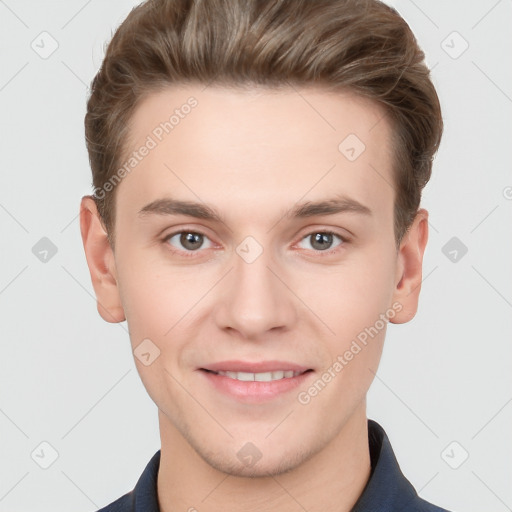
255 382
260 376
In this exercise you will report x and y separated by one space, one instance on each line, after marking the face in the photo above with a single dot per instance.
255 264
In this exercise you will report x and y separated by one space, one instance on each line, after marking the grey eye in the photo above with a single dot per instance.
189 240
321 240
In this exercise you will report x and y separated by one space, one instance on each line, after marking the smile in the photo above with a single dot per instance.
260 377
255 387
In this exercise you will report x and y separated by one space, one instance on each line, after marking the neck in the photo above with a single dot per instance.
331 480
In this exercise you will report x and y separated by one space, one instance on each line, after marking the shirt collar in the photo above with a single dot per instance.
387 488
387 485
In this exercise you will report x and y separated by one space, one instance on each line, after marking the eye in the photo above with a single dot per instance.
190 241
322 241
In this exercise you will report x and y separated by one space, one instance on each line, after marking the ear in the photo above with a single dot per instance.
409 268
101 262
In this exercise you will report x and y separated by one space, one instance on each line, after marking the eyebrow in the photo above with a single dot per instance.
169 206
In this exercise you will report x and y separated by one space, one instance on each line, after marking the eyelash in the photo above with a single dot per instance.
191 254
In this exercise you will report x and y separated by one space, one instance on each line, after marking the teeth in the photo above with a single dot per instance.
244 376
260 377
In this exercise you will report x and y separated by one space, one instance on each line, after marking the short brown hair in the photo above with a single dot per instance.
362 46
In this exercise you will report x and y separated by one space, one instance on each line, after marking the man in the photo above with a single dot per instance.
258 168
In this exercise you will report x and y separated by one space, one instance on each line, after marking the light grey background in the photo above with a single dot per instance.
68 379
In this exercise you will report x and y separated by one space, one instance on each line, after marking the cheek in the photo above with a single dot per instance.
353 297
158 299
356 311
356 308
147 295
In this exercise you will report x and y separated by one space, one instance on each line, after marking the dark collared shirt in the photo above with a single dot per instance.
387 489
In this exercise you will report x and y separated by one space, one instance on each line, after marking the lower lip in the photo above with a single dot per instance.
255 391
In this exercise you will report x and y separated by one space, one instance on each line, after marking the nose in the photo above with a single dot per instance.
255 297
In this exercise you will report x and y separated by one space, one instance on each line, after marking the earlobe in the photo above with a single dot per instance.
409 268
101 262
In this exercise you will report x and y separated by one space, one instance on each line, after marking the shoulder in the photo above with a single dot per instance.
123 504
144 496
388 490
424 506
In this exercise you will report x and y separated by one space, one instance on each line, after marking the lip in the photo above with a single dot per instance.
254 392
254 367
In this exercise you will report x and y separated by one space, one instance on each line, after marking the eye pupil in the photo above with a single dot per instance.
322 239
191 241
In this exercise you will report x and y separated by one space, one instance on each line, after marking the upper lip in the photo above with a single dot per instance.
254 367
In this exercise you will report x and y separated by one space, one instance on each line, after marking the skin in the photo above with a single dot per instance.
253 155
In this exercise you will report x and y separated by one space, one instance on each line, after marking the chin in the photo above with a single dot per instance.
249 462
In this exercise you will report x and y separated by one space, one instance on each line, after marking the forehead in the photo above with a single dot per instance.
261 146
